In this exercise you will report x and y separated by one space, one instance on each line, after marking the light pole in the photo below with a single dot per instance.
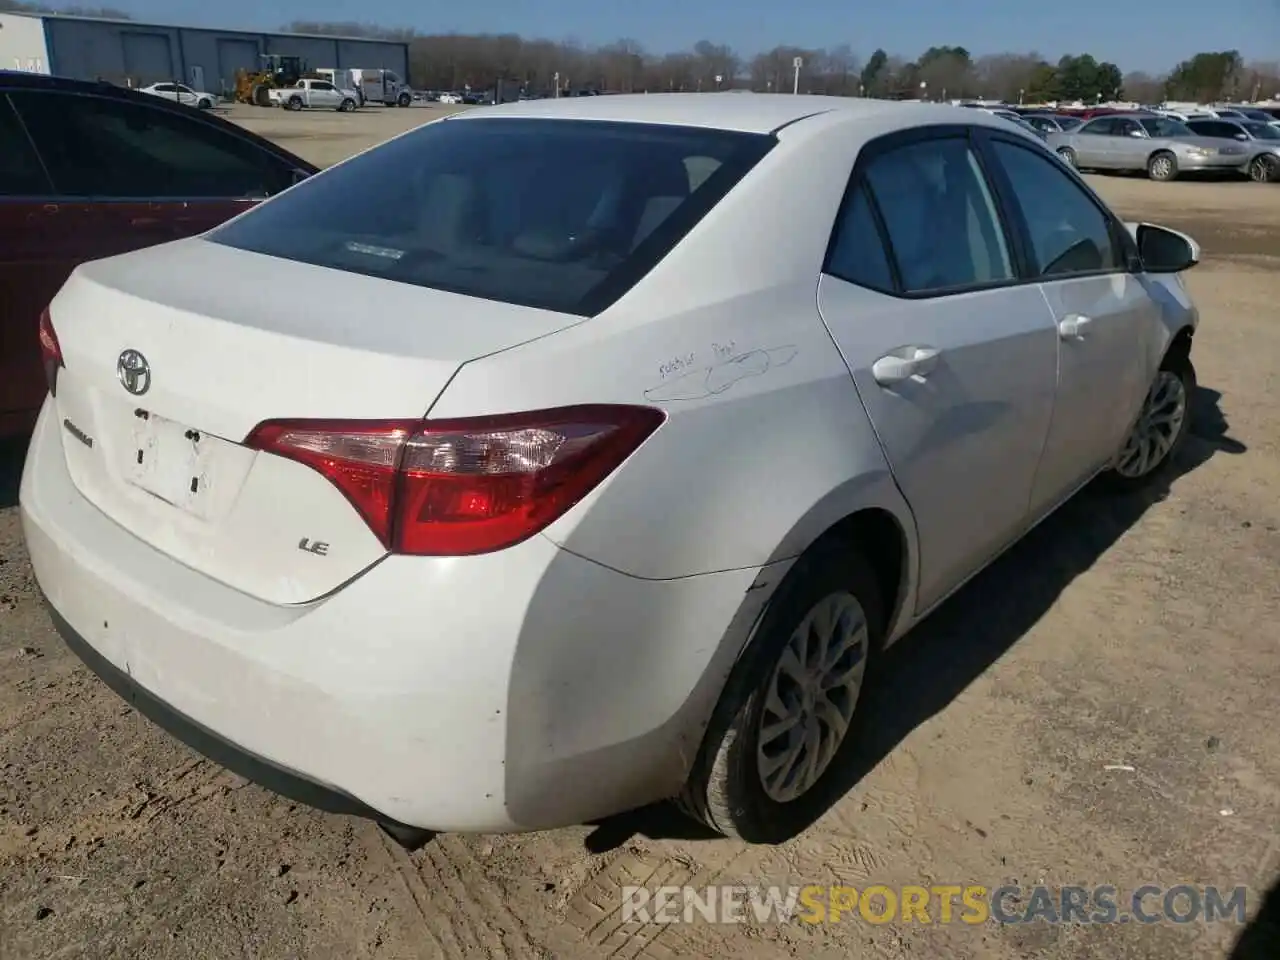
924 89
797 63
557 84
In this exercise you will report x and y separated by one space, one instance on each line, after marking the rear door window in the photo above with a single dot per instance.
564 215
21 174
940 217
104 148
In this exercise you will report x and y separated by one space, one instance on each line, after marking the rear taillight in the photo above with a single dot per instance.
50 351
456 487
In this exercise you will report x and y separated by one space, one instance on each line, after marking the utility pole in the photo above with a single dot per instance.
797 63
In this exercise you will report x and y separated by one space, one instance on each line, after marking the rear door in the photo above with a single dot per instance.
953 355
158 175
1105 319
34 262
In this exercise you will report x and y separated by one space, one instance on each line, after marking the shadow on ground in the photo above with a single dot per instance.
1261 938
927 669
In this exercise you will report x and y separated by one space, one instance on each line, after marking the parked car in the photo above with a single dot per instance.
1162 147
315 95
541 483
158 171
1016 118
181 93
1261 139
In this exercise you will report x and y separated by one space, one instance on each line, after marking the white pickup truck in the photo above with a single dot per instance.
314 95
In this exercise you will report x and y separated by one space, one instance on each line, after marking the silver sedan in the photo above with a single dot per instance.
1160 146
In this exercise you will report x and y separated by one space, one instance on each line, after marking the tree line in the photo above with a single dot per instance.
457 61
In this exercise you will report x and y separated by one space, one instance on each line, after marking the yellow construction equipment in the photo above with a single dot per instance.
277 71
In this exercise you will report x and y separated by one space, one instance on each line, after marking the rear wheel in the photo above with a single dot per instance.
295 103
1162 427
784 719
1068 156
1265 168
1162 166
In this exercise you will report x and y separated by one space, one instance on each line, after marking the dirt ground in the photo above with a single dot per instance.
1137 633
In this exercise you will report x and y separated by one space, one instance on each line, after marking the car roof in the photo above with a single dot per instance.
13 80
747 112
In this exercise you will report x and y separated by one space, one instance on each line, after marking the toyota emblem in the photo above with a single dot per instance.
134 372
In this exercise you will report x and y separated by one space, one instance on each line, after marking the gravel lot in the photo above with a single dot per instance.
1130 633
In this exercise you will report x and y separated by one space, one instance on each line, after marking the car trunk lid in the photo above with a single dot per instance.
173 355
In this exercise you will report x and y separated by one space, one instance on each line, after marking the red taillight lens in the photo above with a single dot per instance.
455 487
50 351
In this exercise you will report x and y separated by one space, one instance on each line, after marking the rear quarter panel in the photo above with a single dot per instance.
766 443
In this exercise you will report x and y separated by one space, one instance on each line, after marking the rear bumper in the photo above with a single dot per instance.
287 783
525 689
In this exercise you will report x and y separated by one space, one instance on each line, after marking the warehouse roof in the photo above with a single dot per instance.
180 26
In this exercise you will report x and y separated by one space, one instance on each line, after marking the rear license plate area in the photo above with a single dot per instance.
172 462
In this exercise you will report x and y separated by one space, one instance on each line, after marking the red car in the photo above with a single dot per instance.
89 170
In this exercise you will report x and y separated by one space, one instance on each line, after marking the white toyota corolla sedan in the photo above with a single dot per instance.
561 457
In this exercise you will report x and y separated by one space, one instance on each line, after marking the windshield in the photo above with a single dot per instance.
1068 123
1261 131
1165 127
563 215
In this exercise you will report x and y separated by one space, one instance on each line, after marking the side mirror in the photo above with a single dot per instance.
1136 133
1164 250
1242 136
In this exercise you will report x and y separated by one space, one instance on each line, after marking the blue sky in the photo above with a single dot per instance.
1151 35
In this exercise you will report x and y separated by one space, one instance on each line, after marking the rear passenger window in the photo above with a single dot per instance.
1069 234
943 228
858 253
115 149
20 172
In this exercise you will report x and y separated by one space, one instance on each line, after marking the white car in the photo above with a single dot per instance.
183 94
554 459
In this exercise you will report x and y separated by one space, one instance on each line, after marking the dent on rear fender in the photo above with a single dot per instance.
613 684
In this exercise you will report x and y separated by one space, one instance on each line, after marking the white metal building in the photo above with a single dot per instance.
137 54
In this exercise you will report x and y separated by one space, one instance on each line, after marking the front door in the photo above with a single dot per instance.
1094 149
954 361
1104 318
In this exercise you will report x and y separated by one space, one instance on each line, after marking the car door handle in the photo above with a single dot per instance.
1073 327
904 364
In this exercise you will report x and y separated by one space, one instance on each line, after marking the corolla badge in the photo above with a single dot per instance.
134 372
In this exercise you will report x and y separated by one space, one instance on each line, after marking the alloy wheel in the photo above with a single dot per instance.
811 697
1157 429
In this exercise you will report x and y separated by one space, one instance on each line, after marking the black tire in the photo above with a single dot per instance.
295 103
1068 156
347 105
1123 480
205 104
725 789
1264 168
404 100
1162 166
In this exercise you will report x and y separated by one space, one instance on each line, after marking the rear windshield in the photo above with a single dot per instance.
565 215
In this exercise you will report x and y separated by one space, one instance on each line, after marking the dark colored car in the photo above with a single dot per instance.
89 170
